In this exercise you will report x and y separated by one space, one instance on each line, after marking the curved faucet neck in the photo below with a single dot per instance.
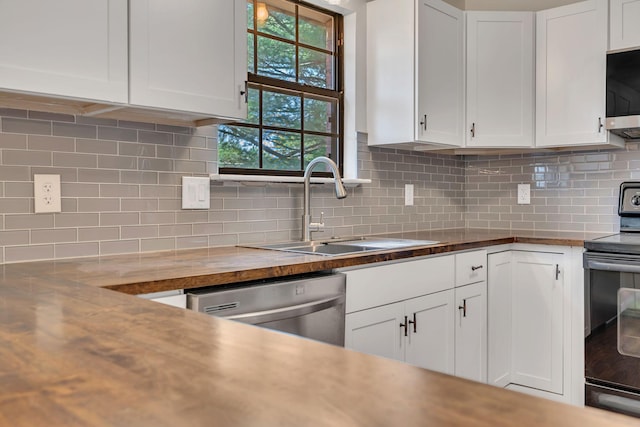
341 193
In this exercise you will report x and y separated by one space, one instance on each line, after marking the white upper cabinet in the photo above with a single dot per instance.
189 56
65 48
624 31
415 72
571 45
500 79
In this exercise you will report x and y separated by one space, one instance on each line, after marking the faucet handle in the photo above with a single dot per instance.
317 226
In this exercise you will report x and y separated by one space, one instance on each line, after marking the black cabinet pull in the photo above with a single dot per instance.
476 267
424 122
463 307
414 322
404 325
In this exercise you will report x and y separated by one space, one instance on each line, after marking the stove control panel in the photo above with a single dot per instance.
629 204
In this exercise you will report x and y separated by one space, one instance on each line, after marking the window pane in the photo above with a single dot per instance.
319 115
281 110
315 146
251 66
316 28
250 14
253 106
277 18
316 68
238 147
281 150
276 59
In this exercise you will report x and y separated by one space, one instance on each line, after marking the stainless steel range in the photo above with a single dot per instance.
612 312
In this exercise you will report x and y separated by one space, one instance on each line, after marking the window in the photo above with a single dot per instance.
294 91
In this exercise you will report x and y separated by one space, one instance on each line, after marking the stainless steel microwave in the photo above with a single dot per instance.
623 94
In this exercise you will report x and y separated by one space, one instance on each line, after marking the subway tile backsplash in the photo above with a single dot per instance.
121 191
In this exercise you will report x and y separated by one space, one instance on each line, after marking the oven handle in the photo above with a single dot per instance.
257 317
612 266
619 403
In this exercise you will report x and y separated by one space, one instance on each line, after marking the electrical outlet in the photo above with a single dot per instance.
524 194
46 193
408 194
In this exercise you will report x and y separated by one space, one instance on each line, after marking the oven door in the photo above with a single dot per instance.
605 366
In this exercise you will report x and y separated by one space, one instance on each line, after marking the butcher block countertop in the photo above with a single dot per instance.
194 268
73 353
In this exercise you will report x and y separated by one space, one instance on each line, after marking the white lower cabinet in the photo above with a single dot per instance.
429 313
532 321
471 332
418 331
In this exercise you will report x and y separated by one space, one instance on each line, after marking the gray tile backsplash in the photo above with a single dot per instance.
121 191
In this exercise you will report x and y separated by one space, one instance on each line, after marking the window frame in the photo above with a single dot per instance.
255 81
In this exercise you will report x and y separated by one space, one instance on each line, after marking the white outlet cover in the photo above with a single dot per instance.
524 194
408 194
46 193
196 192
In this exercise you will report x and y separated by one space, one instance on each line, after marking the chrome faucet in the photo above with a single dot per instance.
341 193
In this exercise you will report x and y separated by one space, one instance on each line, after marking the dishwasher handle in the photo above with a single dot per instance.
258 317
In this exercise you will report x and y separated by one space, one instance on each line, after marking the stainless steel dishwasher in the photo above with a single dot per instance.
310 306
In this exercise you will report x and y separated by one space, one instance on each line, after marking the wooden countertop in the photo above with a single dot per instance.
77 355
185 269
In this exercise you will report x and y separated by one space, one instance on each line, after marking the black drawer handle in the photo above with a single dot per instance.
476 267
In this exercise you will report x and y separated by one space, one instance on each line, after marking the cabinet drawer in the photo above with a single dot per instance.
375 286
471 267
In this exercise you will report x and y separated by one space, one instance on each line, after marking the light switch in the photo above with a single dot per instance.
195 192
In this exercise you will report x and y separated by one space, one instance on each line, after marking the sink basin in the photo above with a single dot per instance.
347 246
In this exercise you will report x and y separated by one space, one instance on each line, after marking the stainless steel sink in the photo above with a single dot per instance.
346 246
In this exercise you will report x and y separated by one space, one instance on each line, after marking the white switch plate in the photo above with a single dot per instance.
46 193
195 192
408 194
524 194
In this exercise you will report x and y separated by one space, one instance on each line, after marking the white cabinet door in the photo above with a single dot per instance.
471 332
189 55
414 69
431 331
500 84
571 45
440 71
68 48
499 302
624 31
537 320
377 331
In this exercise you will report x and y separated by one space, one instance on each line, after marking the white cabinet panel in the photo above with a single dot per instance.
500 83
377 331
415 68
471 267
500 277
537 319
379 285
440 73
624 31
570 74
471 332
67 48
189 55
431 335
